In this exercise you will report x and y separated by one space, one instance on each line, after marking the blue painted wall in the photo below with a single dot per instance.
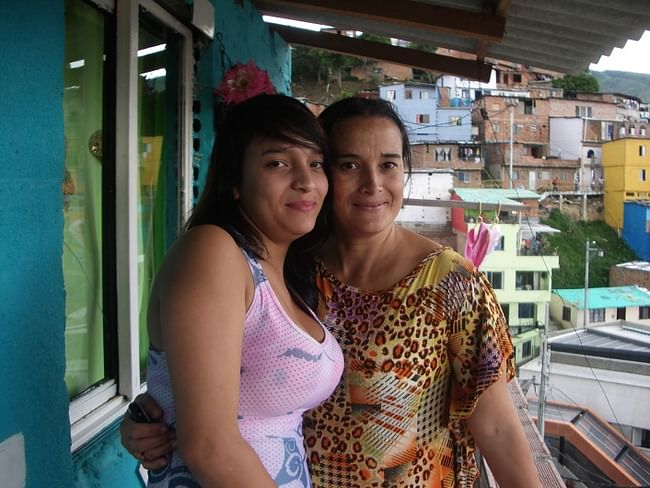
33 398
425 100
635 230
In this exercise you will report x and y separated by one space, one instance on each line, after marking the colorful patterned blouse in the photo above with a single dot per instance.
417 357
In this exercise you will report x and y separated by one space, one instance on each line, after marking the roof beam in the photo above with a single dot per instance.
408 13
475 70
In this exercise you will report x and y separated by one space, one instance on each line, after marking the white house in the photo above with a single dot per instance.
606 304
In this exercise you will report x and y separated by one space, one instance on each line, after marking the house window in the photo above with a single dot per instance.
422 118
90 359
583 111
526 311
620 313
463 176
495 278
424 95
455 120
99 176
515 174
516 78
408 94
642 151
644 313
566 314
642 131
526 350
527 280
500 245
443 154
632 130
529 106
642 175
390 94
621 131
469 152
597 315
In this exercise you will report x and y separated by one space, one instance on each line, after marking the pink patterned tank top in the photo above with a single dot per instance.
284 372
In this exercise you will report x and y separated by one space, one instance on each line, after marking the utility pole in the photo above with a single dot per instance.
546 356
588 250
511 103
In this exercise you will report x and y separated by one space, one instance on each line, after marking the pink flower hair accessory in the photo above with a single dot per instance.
244 81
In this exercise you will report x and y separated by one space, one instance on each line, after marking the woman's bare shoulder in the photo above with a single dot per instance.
203 250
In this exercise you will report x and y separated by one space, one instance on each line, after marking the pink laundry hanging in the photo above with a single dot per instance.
478 243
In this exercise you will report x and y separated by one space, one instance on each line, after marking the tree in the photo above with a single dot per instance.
572 84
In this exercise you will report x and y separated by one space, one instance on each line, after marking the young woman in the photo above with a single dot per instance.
427 350
235 357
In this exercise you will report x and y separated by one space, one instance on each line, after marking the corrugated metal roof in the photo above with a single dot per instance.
637 265
495 195
596 338
558 35
606 297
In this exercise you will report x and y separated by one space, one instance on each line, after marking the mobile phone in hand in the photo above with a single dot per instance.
137 413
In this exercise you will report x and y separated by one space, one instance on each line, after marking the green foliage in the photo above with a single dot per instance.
571 84
635 84
319 65
374 38
570 246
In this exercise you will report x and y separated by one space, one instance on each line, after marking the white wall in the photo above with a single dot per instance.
565 137
628 394
431 185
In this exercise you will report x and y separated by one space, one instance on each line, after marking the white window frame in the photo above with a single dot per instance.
98 407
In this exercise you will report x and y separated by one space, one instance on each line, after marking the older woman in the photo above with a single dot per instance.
427 350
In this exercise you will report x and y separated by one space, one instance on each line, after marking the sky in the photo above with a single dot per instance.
635 57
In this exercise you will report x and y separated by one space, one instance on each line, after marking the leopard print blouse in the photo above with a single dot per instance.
417 357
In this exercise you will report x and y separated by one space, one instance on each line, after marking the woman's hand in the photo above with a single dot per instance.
150 443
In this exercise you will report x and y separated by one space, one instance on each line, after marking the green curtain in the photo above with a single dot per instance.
82 188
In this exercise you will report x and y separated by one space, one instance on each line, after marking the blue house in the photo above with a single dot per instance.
428 117
636 227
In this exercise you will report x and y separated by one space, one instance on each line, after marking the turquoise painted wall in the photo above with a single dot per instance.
104 463
33 398
245 37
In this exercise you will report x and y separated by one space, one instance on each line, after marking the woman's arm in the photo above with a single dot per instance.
495 426
202 297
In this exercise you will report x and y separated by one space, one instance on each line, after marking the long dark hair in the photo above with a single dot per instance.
266 116
366 107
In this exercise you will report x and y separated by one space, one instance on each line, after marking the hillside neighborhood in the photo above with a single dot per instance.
511 149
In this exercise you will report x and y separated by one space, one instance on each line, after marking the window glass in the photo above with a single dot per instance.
566 314
158 88
496 279
597 315
644 312
83 188
526 310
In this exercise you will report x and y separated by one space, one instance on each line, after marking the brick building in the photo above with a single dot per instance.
632 273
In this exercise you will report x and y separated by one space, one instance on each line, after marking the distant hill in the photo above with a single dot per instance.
624 82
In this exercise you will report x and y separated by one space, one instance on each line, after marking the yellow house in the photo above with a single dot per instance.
626 174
